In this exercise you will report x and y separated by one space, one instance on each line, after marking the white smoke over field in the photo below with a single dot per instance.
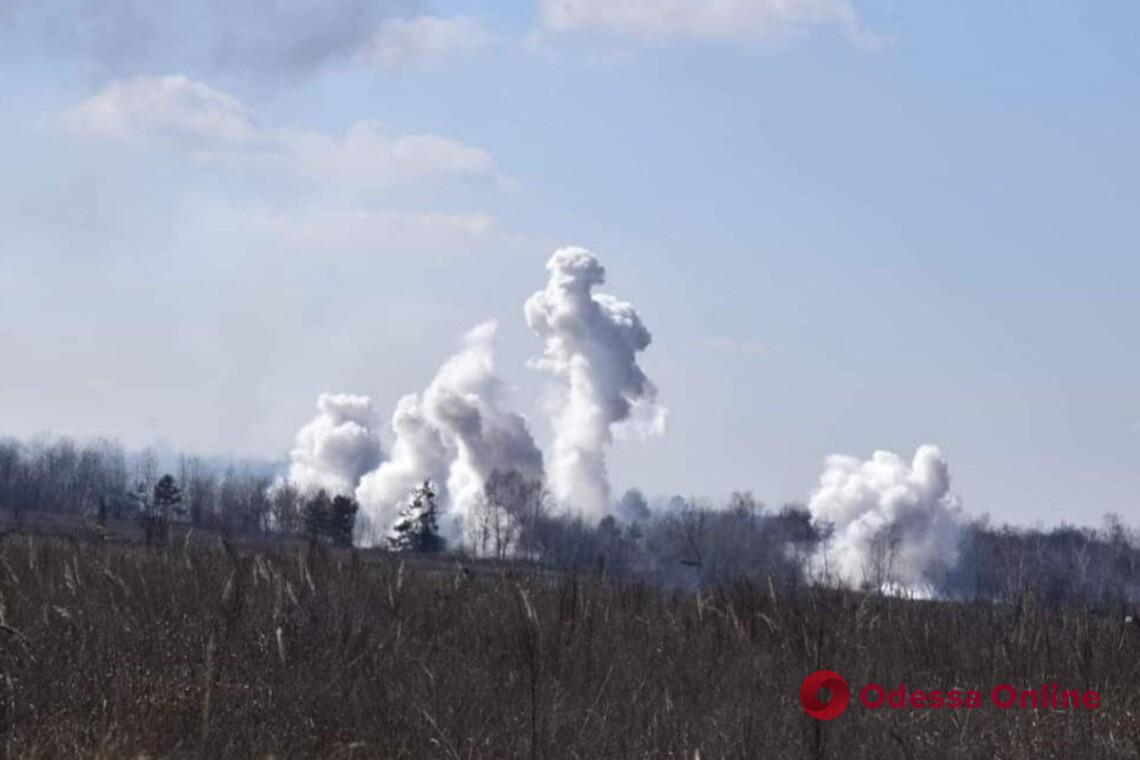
888 523
591 346
465 401
455 434
896 524
337 447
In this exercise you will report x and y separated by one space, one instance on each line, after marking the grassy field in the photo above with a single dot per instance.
205 651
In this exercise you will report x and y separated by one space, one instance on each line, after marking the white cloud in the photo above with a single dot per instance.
369 151
283 38
401 41
163 108
216 127
712 20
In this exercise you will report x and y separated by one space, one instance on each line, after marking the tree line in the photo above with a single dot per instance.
682 543
102 480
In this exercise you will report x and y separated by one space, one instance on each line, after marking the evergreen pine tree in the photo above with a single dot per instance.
417 527
167 498
318 511
342 519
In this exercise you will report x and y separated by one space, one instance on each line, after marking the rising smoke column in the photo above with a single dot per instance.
591 346
337 447
455 434
418 454
895 524
465 401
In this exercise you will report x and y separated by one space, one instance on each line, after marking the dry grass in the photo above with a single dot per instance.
114 651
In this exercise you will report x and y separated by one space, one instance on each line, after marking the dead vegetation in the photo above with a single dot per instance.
119 651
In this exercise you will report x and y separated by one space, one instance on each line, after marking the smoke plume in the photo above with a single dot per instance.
337 447
591 346
896 525
455 434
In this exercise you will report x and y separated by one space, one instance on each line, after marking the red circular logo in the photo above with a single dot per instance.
833 682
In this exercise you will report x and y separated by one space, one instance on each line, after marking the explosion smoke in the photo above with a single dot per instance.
337 447
591 345
456 434
418 454
896 526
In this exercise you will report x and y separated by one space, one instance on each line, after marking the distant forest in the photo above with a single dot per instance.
685 543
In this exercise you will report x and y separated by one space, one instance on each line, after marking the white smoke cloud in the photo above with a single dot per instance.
465 401
337 447
591 345
418 454
896 525
456 434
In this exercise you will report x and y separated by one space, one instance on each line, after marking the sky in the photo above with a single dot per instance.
849 226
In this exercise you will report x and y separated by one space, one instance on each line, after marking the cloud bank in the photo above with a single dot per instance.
723 20
212 126
401 41
282 39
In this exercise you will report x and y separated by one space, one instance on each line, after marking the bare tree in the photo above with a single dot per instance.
507 515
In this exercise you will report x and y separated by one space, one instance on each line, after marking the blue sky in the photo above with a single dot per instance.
849 226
